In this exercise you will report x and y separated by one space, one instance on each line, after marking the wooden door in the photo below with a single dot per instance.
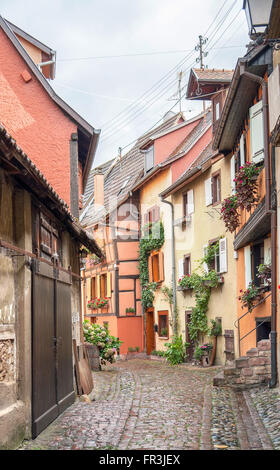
150 333
52 368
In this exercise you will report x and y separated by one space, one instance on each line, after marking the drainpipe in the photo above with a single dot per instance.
173 265
272 212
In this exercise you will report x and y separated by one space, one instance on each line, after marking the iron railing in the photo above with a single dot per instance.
237 322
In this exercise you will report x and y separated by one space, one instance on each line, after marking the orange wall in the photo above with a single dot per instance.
131 332
34 120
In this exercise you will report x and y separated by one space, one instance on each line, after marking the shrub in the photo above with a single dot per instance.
96 334
176 350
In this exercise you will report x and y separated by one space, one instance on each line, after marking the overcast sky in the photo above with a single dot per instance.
156 39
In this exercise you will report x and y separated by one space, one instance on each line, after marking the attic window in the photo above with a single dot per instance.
149 159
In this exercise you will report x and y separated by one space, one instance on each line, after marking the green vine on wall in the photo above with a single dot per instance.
153 239
202 292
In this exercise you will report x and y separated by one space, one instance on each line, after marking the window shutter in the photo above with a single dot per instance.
208 191
256 132
109 285
181 267
242 151
190 202
223 255
146 218
232 173
156 214
161 266
205 266
98 286
88 288
150 268
248 269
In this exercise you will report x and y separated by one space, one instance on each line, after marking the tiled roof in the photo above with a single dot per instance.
129 167
214 74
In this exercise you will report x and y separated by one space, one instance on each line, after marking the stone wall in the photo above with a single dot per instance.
250 370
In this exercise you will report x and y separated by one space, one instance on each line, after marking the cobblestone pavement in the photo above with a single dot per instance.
150 405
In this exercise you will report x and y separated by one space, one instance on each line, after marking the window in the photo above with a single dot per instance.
219 262
149 158
156 267
187 264
257 258
188 204
125 183
216 187
46 237
152 215
103 286
93 288
93 320
163 330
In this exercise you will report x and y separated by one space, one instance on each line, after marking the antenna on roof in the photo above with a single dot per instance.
120 156
202 53
178 95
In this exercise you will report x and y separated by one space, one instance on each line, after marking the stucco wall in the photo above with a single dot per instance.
35 121
206 225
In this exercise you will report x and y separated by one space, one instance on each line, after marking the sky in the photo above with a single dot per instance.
118 61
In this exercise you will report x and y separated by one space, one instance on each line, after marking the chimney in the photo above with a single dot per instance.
98 188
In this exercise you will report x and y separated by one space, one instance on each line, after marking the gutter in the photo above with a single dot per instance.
272 212
173 266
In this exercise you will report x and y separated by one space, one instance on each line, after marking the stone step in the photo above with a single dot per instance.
252 352
219 380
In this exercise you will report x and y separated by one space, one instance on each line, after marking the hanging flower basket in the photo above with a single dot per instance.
229 213
246 182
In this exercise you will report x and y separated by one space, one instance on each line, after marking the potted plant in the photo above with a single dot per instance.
229 213
98 335
264 274
210 279
202 353
215 331
101 302
246 183
130 311
185 283
249 296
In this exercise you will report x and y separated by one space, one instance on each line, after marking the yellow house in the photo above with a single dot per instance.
196 198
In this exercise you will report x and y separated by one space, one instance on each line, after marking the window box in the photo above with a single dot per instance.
184 289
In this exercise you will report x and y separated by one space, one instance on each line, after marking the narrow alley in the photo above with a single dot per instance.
149 405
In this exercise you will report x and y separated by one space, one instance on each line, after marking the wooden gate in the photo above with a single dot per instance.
52 366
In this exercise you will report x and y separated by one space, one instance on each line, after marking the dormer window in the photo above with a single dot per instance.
149 158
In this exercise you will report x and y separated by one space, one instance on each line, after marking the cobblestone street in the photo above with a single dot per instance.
150 405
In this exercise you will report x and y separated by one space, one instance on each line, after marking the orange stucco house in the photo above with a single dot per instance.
56 138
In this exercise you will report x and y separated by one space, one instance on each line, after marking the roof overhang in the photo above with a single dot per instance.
17 164
204 88
247 78
257 227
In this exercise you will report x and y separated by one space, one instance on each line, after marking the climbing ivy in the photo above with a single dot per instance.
202 292
153 239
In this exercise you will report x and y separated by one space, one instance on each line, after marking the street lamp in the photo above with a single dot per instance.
258 15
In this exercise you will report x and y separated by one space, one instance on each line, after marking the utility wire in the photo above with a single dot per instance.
127 119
